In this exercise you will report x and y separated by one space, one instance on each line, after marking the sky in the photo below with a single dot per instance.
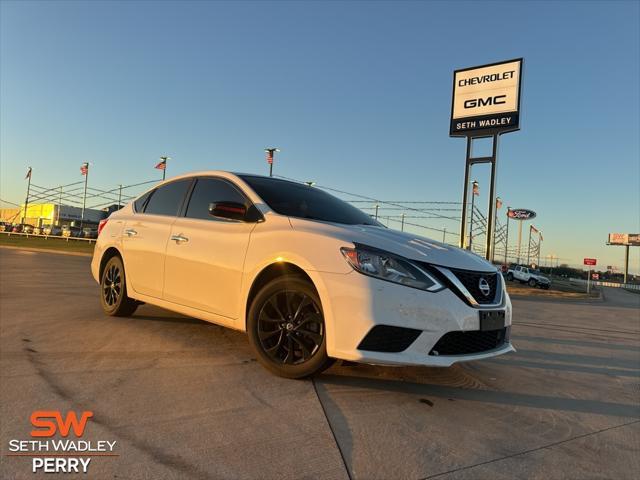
356 94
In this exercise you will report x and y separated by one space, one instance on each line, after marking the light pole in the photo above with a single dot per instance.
402 224
377 206
444 235
270 155
475 191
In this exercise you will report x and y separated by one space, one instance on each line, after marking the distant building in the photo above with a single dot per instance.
39 214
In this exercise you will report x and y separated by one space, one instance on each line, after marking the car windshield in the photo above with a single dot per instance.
302 201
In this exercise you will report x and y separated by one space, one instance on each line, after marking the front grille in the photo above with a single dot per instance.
471 281
462 343
385 338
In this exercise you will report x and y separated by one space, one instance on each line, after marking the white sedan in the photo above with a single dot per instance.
309 277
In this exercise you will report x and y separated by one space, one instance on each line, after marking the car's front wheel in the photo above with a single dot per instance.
510 277
113 290
286 328
532 282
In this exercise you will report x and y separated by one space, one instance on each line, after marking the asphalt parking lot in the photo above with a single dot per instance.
186 399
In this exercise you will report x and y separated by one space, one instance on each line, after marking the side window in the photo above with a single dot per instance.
212 190
138 205
167 199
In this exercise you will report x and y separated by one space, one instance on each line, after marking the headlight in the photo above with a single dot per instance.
391 268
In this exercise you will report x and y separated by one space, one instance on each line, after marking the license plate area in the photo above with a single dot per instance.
491 320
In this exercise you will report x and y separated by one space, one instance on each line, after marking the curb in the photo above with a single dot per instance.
47 250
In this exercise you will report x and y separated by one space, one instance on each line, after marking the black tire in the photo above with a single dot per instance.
532 282
510 277
286 328
113 290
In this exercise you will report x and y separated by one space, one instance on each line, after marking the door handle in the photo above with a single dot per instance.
130 232
179 238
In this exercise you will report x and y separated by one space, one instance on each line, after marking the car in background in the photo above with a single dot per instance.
531 276
308 276
26 228
51 230
89 232
69 231
5 227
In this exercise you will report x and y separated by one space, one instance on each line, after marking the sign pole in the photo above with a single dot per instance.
519 240
589 280
626 263
492 201
529 248
506 240
465 195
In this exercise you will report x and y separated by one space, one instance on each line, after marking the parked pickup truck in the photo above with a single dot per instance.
528 275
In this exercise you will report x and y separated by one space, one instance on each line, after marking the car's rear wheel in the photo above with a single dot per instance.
113 290
286 328
532 282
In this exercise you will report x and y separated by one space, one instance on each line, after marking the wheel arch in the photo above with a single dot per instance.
108 254
270 272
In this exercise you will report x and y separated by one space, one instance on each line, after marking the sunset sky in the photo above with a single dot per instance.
357 95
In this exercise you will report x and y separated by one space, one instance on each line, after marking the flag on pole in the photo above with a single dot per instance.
498 203
162 165
476 190
28 175
84 169
269 156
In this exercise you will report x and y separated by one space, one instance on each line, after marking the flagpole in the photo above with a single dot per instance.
26 202
84 197
473 198
539 246
163 162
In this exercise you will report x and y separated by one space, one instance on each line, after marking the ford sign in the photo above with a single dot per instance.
521 214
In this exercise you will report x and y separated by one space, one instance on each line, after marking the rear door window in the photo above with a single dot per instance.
139 204
212 190
167 199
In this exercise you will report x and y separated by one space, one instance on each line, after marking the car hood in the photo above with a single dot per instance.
407 245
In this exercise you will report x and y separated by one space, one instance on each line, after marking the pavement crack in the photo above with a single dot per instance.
335 438
525 452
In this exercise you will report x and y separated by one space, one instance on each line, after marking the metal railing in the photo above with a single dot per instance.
46 237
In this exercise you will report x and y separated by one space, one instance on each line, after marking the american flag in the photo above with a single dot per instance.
28 175
162 165
269 157
498 203
84 168
476 190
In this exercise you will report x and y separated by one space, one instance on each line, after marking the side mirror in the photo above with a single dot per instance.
228 210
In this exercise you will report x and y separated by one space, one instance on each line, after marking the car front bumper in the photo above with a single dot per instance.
354 304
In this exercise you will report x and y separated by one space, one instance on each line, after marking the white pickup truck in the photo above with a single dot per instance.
528 275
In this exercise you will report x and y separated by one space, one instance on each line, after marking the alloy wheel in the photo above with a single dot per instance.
112 285
290 327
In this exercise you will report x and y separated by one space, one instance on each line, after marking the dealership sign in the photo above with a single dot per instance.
521 214
486 99
624 239
590 261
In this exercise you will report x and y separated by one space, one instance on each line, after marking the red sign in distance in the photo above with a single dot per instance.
590 261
